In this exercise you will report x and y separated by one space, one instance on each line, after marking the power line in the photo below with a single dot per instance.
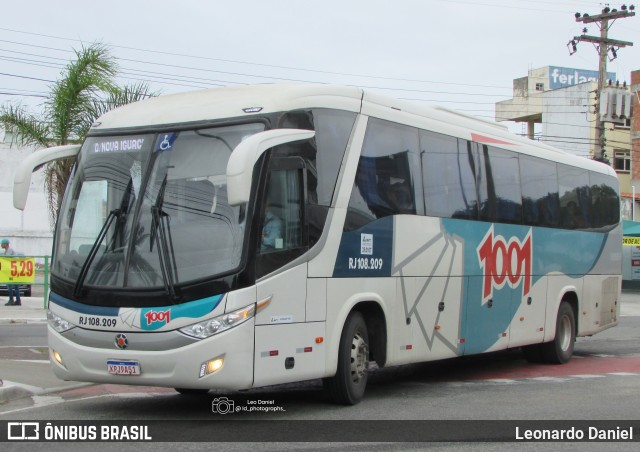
25 77
604 45
319 71
288 79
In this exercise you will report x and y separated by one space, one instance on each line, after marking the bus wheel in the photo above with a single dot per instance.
348 385
559 350
191 392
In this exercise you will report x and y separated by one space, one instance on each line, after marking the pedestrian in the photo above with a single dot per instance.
13 289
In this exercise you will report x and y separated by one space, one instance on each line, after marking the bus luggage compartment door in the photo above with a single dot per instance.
289 352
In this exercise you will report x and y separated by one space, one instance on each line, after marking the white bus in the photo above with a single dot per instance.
241 237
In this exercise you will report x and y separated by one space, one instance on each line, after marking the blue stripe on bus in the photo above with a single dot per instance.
82 308
150 318
157 317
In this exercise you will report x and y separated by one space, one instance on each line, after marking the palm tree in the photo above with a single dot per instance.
85 90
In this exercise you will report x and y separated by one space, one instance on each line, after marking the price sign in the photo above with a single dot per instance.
17 270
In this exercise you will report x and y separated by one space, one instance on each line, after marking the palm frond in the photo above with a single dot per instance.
71 96
25 129
85 91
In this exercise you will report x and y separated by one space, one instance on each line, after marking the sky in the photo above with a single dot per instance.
461 54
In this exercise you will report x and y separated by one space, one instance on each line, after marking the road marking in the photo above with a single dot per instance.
43 400
550 379
40 401
24 346
506 381
37 361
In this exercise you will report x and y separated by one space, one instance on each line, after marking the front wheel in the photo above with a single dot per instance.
348 385
560 350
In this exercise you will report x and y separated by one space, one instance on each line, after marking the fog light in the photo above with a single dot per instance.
57 357
214 365
211 366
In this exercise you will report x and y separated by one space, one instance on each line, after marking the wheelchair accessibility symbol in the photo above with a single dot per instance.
167 142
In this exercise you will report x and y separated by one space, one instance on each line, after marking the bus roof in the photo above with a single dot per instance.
249 100
229 102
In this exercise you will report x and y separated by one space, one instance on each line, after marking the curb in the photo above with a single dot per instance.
16 392
6 321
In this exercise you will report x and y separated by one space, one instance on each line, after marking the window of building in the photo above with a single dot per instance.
621 160
539 86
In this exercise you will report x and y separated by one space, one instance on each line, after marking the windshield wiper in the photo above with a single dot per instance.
116 214
166 254
113 215
122 215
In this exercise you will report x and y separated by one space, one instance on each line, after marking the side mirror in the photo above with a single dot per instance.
246 154
22 178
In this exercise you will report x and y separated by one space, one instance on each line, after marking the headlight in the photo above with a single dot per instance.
219 324
58 323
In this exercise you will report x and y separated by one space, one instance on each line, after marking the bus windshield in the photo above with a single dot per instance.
151 210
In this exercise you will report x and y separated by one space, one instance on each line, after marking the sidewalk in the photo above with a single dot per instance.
31 311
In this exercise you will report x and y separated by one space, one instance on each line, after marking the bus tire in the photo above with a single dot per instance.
348 385
560 350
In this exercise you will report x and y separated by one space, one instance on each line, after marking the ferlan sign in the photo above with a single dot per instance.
561 77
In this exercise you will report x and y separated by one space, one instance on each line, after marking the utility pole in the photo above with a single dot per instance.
604 45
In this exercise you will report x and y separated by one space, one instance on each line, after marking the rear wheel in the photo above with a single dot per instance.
560 350
348 385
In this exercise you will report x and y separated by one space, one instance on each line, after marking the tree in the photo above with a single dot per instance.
85 90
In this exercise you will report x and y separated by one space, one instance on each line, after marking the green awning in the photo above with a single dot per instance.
630 228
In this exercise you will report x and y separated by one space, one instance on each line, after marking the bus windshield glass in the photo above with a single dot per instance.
151 210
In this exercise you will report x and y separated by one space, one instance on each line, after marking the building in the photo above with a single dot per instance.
635 136
29 231
558 106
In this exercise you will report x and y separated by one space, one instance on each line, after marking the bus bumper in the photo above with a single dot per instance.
175 368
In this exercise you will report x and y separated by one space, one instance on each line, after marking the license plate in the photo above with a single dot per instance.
123 367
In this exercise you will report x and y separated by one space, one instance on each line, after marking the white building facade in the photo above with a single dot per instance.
29 231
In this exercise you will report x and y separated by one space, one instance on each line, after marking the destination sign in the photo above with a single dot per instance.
124 144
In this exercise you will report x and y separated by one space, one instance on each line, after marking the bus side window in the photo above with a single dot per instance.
575 198
387 180
282 233
448 176
272 223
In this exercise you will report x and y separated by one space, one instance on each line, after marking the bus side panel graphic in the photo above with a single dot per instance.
493 268
486 320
